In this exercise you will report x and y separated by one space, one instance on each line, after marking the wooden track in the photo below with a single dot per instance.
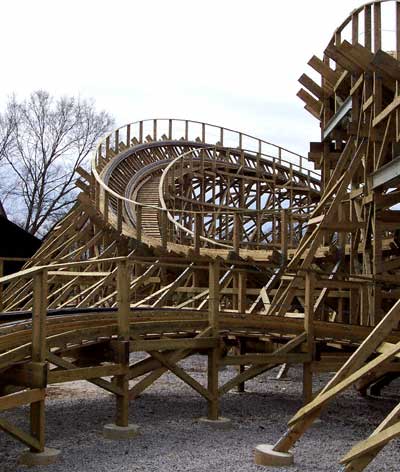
188 238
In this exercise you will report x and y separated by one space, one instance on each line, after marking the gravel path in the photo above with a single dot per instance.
172 440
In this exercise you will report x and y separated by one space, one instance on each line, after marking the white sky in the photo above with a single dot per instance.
227 62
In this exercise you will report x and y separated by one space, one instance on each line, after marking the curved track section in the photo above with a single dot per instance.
205 177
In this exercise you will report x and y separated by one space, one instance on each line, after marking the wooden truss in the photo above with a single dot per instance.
357 105
188 238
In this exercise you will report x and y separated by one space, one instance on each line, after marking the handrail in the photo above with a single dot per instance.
131 138
163 207
155 207
373 36
247 211
155 121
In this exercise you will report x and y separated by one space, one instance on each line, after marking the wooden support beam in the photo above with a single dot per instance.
309 330
179 372
39 312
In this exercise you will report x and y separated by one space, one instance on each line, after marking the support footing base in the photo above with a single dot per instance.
220 423
47 457
264 454
112 431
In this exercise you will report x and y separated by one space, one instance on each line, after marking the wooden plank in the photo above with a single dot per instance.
327 395
84 373
327 73
312 86
179 372
373 442
60 362
25 397
386 111
172 344
19 434
256 359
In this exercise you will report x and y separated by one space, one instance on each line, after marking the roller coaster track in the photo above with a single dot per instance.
188 238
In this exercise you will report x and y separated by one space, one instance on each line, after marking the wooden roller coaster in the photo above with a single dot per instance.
188 238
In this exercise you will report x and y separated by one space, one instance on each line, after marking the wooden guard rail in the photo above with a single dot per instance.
245 226
148 131
365 26
172 231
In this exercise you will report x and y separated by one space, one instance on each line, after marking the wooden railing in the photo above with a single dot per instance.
246 227
375 25
178 130
171 129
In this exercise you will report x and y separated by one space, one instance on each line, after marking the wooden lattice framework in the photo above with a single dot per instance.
190 238
357 104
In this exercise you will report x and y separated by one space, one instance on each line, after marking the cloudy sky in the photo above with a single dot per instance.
226 62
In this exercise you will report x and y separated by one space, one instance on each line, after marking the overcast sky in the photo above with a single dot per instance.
226 62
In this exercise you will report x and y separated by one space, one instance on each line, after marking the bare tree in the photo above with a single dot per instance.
48 139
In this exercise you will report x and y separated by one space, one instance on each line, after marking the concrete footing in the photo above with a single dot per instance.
47 457
112 431
220 423
265 455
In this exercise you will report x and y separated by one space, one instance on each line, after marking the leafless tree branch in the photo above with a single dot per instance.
43 140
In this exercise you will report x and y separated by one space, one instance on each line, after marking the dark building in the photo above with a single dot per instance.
15 242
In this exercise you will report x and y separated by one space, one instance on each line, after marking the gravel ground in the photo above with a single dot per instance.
172 440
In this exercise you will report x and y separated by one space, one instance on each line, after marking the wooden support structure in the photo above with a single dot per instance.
180 243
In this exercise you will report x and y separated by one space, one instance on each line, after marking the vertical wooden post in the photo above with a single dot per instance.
138 209
164 228
97 195
242 282
213 355
116 141
376 309
214 294
170 130
198 227
1 285
141 132
123 284
107 147
186 130
242 351
242 279
119 215
284 235
39 312
105 207
128 135
397 30
309 329
377 27
154 130
354 28
236 233
367 27
122 354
